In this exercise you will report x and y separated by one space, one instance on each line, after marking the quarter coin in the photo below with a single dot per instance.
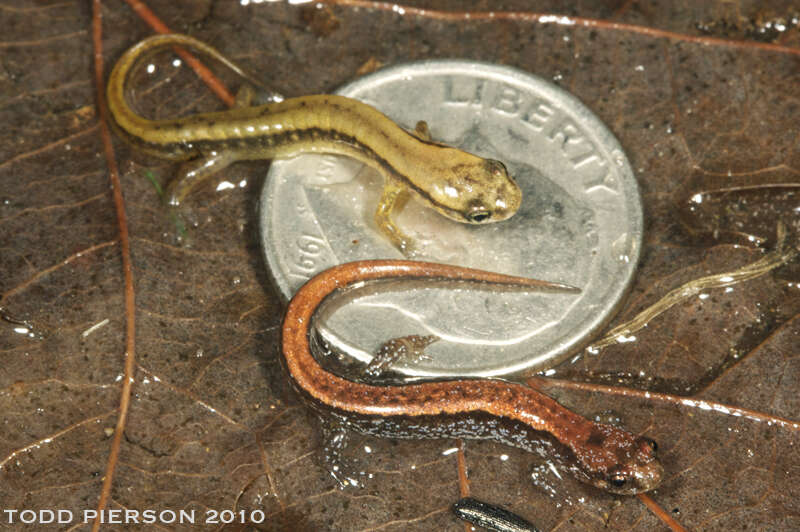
580 223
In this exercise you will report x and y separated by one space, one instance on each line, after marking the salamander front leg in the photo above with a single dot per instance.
394 197
422 131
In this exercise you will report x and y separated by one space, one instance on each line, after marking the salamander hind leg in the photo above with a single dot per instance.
408 349
345 469
244 96
248 96
393 199
194 172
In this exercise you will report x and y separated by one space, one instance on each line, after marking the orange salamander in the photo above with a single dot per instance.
602 455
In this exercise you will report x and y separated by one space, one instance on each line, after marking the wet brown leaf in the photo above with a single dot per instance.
213 426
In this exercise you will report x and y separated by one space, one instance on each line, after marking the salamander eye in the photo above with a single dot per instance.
618 481
653 445
478 216
497 168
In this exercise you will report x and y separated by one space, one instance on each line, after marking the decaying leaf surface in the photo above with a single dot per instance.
212 424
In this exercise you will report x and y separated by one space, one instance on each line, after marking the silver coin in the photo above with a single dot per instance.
580 223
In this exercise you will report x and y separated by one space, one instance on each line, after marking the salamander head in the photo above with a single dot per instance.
642 473
619 462
474 190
